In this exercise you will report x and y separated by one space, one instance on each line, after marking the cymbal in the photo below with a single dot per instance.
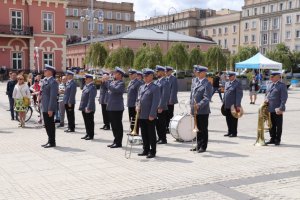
236 114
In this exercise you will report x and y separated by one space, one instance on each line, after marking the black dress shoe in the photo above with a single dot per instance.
69 131
228 134
150 155
84 137
143 154
110 145
60 126
106 128
194 149
43 145
201 150
232 135
50 145
270 142
103 127
277 143
89 138
115 146
162 142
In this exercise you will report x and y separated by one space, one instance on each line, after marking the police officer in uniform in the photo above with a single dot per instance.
49 104
200 99
140 76
162 111
233 95
87 106
103 101
173 95
276 97
70 100
147 105
115 106
132 94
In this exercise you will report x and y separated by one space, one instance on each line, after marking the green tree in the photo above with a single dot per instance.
177 56
246 52
148 57
215 58
113 60
126 56
283 55
96 55
196 57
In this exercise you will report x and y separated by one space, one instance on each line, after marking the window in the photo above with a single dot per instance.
225 43
246 39
298 34
272 8
281 6
119 28
276 23
288 35
225 30
109 29
234 28
288 19
248 13
234 41
265 25
290 4
16 20
109 15
67 11
214 31
206 32
255 11
48 58
100 28
220 31
253 38
275 38
265 39
17 60
253 24
48 21
67 24
75 12
127 16
75 25
263 50
298 18
246 26
90 26
263 10
297 47
219 42
118 16
127 28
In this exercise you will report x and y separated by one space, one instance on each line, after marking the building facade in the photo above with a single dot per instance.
117 18
32 34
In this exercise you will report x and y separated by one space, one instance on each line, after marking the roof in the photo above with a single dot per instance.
152 34
258 61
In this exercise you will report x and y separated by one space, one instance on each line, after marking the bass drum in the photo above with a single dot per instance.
181 128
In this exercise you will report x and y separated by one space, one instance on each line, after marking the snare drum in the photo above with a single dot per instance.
181 128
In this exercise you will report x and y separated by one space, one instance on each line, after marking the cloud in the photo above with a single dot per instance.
150 8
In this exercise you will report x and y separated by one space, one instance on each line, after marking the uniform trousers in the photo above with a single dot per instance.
105 115
62 111
115 118
88 119
50 127
202 134
161 125
170 115
148 135
232 123
276 130
70 116
132 114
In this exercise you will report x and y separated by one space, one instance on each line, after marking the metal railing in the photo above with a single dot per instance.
16 30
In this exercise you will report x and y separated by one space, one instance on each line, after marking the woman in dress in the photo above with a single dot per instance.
21 90
253 88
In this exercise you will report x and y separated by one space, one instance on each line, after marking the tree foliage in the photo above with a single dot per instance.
177 56
123 57
283 55
96 55
148 57
196 57
215 59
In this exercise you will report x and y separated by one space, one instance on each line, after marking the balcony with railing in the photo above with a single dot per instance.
16 30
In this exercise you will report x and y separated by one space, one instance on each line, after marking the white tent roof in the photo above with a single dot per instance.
258 61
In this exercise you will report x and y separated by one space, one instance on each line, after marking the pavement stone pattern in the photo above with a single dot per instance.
232 168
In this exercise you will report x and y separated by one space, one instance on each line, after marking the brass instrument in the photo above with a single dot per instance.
131 135
264 117
195 129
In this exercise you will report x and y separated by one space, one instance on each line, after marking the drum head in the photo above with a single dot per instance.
182 128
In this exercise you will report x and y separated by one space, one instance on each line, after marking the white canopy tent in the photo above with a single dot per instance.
258 61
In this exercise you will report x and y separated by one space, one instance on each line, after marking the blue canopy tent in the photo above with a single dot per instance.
258 61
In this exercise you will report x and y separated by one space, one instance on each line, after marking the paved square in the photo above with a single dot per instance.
232 168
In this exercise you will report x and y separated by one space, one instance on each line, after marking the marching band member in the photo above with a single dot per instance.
162 110
140 76
70 100
49 103
276 97
200 98
233 95
132 94
103 100
173 95
115 106
87 106
147 104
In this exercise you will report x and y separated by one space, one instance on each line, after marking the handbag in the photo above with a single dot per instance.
26 100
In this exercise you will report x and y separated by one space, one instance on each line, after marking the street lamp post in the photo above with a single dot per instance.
37 58
173 20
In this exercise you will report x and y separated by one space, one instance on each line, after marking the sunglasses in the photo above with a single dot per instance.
20 79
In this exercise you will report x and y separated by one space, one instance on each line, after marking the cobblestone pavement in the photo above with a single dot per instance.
232 168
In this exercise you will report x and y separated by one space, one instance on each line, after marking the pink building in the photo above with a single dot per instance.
32 34
135 39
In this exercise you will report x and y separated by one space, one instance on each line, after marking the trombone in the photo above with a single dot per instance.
131 135
195 129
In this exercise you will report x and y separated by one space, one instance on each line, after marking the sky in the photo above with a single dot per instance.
144 9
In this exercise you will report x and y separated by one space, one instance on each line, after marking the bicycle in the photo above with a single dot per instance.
29 110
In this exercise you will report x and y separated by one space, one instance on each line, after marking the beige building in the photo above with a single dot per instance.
117 18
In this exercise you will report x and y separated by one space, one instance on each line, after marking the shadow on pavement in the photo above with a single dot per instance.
168 159
247 138
68 149
102 140
222 141
290 145
6 132
223 154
